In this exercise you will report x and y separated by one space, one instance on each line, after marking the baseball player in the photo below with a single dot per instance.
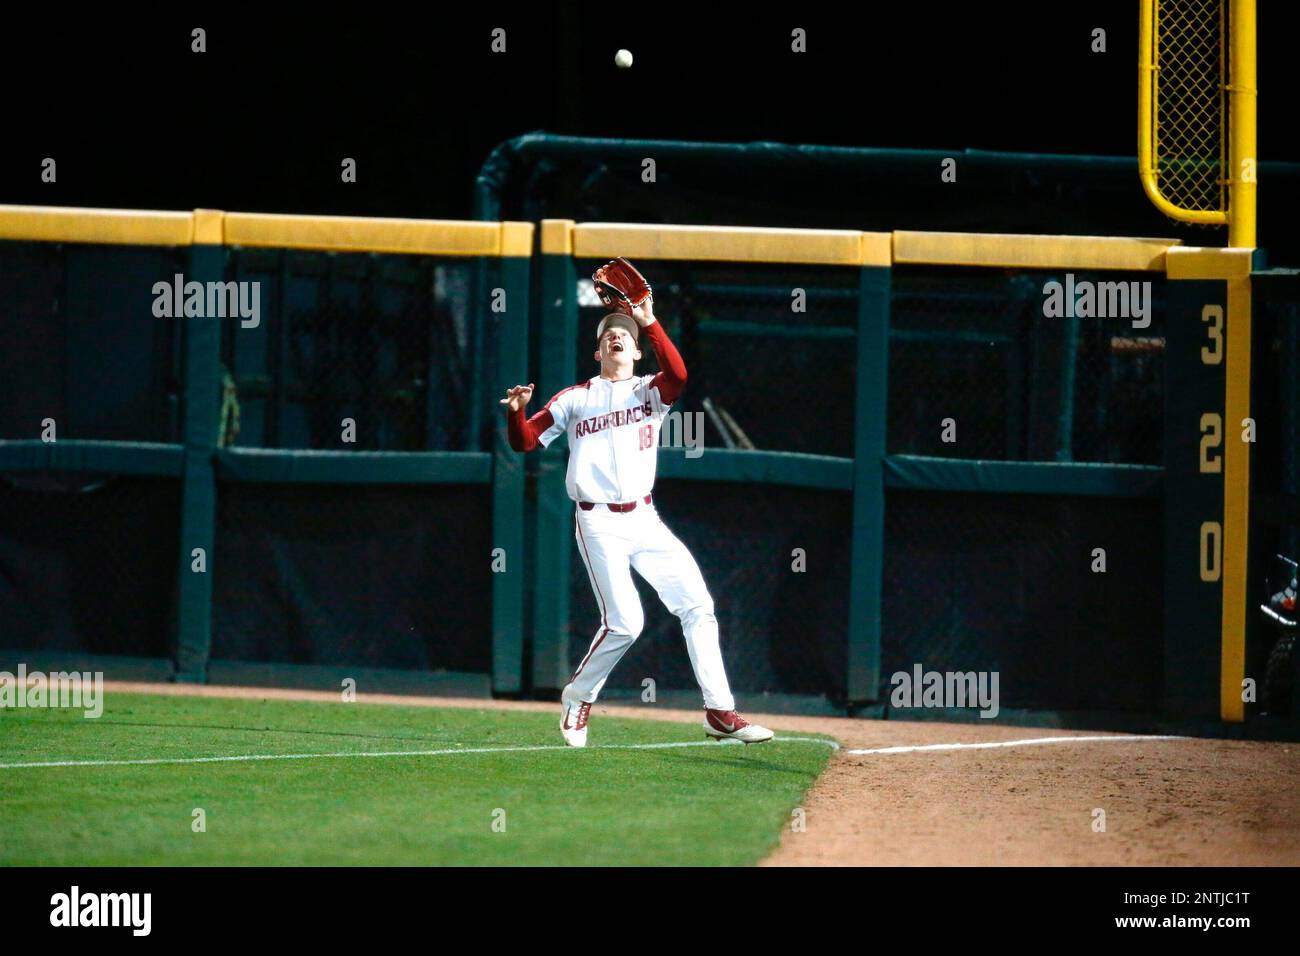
613 422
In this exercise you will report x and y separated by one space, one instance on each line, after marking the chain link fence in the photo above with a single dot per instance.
82 353
978 371
88 560
771 350
357 351
970 345
989 364
1190 103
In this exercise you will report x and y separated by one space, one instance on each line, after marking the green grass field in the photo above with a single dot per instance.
715 804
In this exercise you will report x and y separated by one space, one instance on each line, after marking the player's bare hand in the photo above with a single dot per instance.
517 397
644 314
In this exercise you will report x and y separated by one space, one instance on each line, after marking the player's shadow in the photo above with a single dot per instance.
738 760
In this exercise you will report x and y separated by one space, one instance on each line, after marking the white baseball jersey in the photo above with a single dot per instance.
613 430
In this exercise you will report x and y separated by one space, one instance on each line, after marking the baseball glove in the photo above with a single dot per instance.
620 286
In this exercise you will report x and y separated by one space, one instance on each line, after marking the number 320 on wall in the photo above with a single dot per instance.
1211 462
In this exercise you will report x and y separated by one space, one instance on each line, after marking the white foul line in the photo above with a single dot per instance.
1013 743
452 751
240 758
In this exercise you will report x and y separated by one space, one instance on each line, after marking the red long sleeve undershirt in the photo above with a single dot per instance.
672 376
524 434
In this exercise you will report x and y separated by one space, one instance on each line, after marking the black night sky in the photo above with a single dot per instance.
262 120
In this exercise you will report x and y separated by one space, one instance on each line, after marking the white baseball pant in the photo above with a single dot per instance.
612 544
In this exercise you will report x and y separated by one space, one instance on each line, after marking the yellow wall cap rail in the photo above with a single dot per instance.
557 237
116 226
1030 252
606 240
1211 263
432 237
833 247
214 227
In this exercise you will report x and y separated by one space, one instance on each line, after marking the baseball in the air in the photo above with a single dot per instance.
623 59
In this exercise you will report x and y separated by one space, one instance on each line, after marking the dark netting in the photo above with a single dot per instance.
1005 583
761 375
1275 404
88 562
80 344
1275 457
387 341
782 631
370 576
974 346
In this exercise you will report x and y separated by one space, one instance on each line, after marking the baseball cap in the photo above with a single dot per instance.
619 319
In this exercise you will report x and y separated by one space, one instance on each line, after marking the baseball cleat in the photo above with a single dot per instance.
729 725
573 720
1282 606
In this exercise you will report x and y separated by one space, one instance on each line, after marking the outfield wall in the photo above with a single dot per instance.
205 502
